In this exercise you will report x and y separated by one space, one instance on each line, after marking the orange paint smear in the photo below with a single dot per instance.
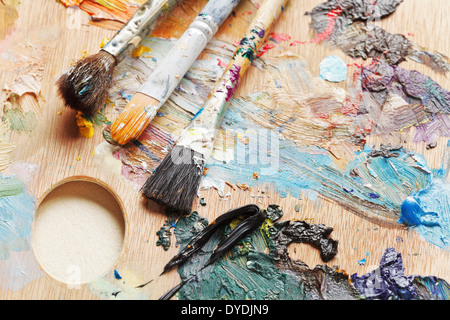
176 23
68 3
170 27
120 11
111 14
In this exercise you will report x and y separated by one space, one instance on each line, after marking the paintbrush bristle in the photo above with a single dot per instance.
133 119
176 180
84 87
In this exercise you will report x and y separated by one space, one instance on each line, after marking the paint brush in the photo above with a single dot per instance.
254 219
84 87
169 294
142 108
244 228
176 180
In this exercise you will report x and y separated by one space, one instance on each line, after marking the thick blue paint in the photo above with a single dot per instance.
117 275
428 212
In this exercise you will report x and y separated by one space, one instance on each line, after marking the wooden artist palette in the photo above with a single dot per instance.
113 249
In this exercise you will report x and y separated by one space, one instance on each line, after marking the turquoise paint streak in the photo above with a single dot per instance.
17 209
378 190
16 217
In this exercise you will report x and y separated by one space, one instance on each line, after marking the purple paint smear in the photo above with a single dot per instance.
387 281
234 78
427 100
413 86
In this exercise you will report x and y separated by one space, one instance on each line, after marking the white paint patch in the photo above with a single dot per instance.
104 157
19 270
106 289
24 170
26 83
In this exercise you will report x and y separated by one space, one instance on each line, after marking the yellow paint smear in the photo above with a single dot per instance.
139 51
85 127
104 42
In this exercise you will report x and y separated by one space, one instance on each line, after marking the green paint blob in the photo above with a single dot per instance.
19 120
99 118
11 186
164 235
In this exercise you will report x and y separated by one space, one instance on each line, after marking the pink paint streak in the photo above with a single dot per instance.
279 37
332 16
221 64
264 49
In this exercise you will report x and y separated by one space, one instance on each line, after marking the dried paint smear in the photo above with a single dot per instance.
23 57
348 25
305 137
255 269
320 131
301 135
17 209
113 14
108 14
22 64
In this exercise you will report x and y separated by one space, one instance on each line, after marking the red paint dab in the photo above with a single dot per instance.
264 49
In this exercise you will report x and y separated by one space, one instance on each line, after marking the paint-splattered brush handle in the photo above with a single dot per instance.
166 77
201 133
138 27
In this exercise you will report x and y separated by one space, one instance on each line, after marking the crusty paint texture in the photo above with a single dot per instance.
335 118
249 272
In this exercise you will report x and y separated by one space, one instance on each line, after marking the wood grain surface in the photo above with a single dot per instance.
60 152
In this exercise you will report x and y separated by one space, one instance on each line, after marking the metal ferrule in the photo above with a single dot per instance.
169 72
138 27
177 62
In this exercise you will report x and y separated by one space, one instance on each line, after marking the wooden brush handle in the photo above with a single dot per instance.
142 108
138 27
166 77
201 133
